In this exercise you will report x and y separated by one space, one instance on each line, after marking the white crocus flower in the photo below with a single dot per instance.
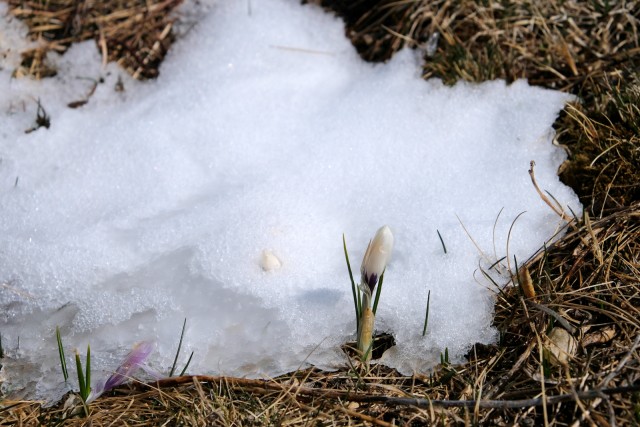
375 259
373 265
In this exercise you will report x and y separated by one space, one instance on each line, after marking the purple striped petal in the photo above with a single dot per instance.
131 363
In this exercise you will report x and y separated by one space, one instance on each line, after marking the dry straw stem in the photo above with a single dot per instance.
589 278
557 209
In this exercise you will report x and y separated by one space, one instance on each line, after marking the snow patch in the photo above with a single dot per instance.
264 131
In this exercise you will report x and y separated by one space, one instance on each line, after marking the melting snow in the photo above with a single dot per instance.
219 193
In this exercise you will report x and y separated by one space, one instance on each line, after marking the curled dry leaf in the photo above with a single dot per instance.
526 283
600 336
560 346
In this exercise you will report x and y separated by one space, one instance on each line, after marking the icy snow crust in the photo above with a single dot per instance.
265 131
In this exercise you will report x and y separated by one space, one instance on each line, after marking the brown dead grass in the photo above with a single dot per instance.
588 282
134 33
588 279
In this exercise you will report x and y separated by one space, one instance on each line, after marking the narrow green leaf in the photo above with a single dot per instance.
489 278
81 382
356 299
513 223
187 365
426 316
441 241
175 359
497 262
63 360
87 384
378 291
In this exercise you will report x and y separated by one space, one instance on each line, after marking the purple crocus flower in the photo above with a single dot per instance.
134 361
131 363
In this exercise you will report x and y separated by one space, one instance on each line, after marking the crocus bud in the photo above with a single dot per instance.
376 257
134 361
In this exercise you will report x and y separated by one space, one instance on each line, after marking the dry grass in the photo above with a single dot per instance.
589 281
134 33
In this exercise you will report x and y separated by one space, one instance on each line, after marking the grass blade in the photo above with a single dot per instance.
87 384
495 284
497 262
175 360
356 298
378 291
509 238
441 241
81 382
426 316
63 361
187 365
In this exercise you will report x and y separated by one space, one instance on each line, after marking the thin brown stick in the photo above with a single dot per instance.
390 400
364 417
543 196
563 322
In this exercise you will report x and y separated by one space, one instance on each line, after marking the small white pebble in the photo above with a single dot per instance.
269 262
